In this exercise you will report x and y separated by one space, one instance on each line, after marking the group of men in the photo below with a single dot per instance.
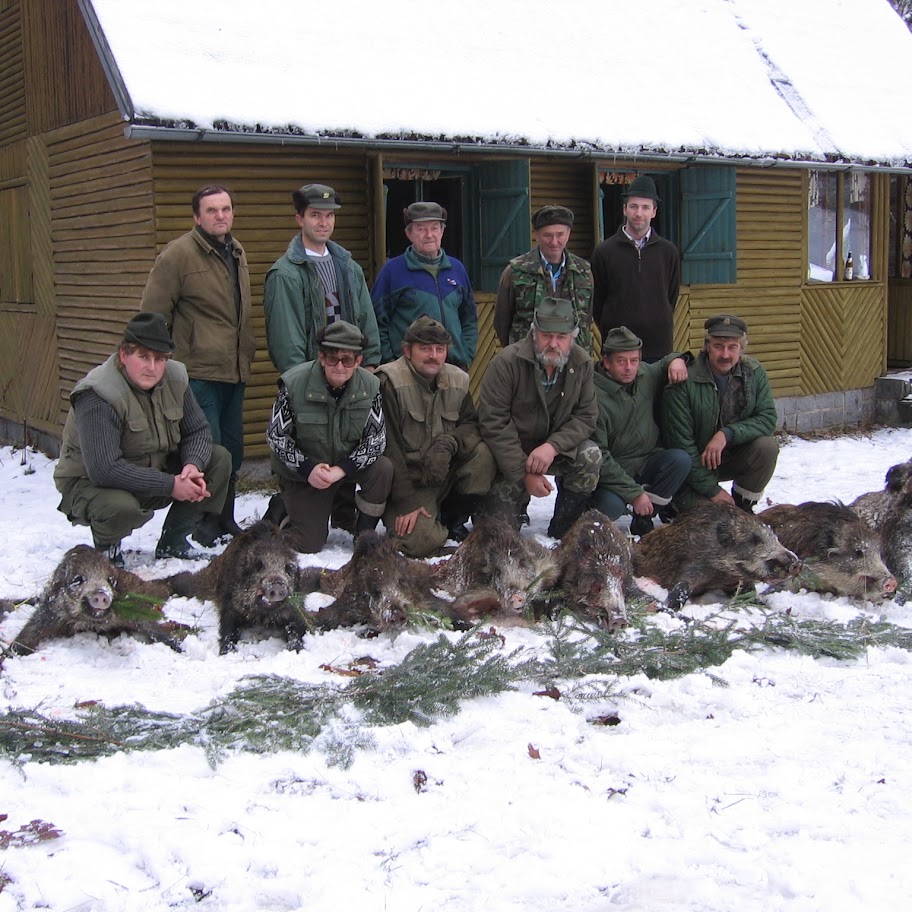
374 418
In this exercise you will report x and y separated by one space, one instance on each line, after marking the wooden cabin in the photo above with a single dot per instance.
91 188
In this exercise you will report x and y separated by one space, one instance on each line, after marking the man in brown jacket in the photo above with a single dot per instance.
538 411
201 285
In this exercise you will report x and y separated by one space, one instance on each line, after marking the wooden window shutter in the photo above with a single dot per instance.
503 199
708 226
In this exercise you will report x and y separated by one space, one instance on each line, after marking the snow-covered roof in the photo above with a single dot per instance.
815 80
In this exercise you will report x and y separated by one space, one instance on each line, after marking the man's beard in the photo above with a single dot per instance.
556 360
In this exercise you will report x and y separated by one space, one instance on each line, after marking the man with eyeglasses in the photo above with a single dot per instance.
327 434
441 466
315 284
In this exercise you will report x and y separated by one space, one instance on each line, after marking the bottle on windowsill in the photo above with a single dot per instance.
849 268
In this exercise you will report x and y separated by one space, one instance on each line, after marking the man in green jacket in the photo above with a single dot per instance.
441 466
637 474
135 441
538 411
200 283
327 434
315 284
723 416
548 270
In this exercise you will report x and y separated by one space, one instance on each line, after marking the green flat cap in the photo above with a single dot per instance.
150 331
317 196
555 315
621 339
725 325
427 331
424 212
342 335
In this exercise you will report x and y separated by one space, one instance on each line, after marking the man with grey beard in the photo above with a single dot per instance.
537 412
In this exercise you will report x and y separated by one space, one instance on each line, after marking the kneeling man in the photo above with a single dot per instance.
136 441
440 464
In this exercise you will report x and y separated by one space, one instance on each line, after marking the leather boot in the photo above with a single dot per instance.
365 523
640 525
112 552
275 510
742 503
182 520
455 512
218 530
568 508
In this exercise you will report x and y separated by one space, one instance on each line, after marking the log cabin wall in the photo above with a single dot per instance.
262 178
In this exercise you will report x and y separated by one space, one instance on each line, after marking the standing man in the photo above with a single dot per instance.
327 433
201 285
135 441
315 284
637 275
723 417
538 411
440 463
424 280
636 472
546 271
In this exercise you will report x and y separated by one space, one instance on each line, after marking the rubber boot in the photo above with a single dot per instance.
275 511
218 530
455 512
365 523
568 508
640 525
182 520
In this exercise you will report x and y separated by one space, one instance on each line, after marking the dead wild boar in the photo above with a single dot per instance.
841 552
711 546
874 506
254 582
595 570
82 595
379 587
496 572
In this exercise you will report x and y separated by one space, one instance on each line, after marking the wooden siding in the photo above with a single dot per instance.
899 323
262 179
563 183
100 187
13 118
64 79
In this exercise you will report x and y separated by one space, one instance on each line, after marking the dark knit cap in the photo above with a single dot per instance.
150 331
621 339
725 325
426 331
642 186
341 335
424 212
552 215
555 315
317 196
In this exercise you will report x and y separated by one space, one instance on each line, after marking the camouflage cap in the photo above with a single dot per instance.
426 331
317 196
555 315
643 187
620 339
342 335
551 215
725 325
150 331
424 212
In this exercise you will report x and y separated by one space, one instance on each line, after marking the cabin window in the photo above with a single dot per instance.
15 240
900 253
487 208
840 207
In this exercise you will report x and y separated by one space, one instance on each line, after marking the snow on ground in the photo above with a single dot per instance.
787 789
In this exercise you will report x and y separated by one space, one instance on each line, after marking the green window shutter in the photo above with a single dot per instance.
503 199
708 226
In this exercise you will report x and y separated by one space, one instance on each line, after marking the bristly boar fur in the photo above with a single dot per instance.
497 573
81 597
874 507
840 550
255 582
711 546
595 570
379 587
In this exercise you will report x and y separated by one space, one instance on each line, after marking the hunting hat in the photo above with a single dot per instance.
642 186
341 335
427 331
424 212
317 196
150 331
621 339
552 215
555 315
725 325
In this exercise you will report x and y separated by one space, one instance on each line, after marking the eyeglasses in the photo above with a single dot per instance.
346 360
